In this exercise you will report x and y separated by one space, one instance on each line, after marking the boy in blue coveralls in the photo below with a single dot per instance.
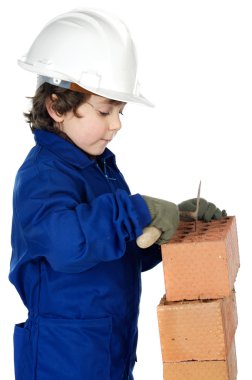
75 261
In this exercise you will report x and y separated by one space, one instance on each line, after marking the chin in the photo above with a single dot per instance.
95 152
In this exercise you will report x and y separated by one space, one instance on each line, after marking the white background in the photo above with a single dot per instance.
195 64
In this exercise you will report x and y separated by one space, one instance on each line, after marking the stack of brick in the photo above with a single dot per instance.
197 317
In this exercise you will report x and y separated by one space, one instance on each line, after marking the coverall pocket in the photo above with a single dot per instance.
74 349
20 339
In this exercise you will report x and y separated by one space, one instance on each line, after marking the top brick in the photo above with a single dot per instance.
201 261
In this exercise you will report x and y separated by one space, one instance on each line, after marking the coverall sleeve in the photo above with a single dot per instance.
73 235
150 257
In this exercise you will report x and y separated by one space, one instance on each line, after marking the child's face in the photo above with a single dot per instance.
97 125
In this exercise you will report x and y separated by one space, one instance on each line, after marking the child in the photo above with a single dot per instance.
75 261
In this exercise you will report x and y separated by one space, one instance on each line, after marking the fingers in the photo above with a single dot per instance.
166 236
188 205
213 212
209 213
217 214
203 206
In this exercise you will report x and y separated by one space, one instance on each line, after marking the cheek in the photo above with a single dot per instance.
95 128
91 131
86 129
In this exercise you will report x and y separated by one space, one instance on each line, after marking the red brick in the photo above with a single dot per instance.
201 264
203 370
197 330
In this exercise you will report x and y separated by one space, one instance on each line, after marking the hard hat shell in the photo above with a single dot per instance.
90 48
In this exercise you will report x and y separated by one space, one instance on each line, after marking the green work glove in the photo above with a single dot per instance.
164 215
207 210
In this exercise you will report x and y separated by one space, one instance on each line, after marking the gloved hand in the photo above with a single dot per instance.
164 215
207 210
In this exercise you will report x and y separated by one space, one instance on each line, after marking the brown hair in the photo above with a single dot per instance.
64 101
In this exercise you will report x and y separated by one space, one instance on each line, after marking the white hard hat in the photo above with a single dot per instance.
90 48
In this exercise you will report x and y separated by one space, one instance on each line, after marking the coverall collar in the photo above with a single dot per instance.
66 150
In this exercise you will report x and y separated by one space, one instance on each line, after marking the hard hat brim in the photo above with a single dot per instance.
110 94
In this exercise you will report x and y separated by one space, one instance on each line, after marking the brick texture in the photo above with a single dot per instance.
203 370
197 330
201 263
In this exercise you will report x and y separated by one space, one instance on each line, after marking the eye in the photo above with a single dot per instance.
103 113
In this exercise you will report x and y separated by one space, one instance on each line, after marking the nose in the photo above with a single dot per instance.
115 123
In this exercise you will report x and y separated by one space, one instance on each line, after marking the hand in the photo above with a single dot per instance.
165 217
207 210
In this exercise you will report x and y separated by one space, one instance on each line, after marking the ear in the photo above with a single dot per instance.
56 116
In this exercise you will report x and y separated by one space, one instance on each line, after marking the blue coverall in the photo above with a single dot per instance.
76 265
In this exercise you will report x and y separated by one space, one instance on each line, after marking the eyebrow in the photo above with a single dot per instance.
112 101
